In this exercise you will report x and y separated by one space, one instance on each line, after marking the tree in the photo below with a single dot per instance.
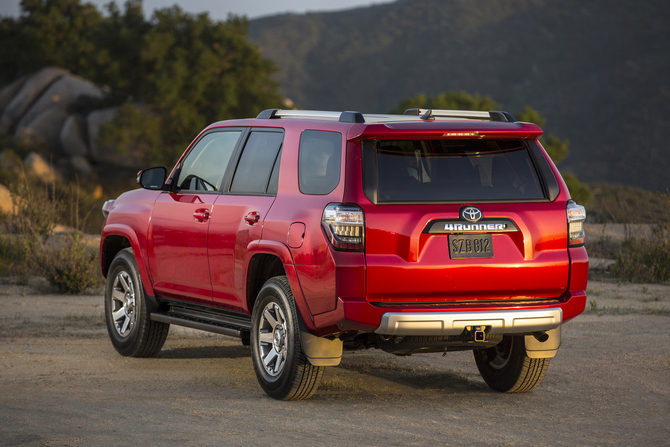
188 69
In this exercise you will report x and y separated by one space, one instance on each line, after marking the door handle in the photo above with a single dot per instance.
201 215
252 218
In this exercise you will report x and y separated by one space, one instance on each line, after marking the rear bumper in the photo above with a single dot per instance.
454 323
357 314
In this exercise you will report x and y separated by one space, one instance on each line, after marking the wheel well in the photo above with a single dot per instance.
113 244
261 268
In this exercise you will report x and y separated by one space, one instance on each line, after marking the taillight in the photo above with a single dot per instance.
344 225
576 218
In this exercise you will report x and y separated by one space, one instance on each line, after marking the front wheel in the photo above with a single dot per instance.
506 367
281 367
129 324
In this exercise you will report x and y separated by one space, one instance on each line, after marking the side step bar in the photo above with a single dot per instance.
170 319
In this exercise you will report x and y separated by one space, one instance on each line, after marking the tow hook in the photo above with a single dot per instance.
476 333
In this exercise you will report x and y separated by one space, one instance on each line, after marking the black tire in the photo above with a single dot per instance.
286 374
129 324
508 369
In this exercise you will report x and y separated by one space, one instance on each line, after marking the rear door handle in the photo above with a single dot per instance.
201 215
252 218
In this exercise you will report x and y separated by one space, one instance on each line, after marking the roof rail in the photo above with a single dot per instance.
430 114
343 117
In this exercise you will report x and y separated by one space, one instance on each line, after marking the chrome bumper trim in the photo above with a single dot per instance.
454 323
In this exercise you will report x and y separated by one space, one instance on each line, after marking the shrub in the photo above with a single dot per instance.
72 268
66 262
645 259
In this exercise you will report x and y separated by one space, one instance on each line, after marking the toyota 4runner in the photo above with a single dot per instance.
307 233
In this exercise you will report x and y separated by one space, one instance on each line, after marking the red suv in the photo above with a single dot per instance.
306 233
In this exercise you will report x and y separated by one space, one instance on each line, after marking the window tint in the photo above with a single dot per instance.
319 161
455 170
255 166
204 166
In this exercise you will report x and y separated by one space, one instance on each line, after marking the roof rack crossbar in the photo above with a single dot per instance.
345 117
357 117
428 114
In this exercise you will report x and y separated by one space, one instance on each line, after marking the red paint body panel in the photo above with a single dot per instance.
228 241
178 246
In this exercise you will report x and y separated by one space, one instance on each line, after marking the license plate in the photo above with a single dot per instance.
468 246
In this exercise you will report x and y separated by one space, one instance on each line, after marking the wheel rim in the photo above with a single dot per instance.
272 339
123 304
502 354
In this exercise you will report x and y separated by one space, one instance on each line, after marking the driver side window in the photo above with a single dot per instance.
204 166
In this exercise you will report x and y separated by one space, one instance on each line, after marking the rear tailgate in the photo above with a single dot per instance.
420 246
408 254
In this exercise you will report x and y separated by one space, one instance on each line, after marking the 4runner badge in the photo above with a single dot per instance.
471 214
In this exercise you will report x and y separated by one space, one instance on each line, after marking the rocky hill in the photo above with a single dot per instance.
597 70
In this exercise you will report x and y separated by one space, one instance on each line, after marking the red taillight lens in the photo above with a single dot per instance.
576 218
344 225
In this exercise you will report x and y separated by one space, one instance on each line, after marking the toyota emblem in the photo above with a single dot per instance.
471 214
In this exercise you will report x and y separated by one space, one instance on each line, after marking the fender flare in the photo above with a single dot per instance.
284 254
129 233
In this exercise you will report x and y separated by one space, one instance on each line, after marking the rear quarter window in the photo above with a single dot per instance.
319 161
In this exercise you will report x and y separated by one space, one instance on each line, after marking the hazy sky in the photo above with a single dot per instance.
219 9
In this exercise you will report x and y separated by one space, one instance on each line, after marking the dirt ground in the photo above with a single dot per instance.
62 383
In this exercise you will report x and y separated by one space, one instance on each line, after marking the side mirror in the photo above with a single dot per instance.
152 178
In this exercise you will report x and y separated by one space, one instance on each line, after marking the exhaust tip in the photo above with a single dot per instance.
541 336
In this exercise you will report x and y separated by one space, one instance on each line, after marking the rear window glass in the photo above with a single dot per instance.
319 161
454 170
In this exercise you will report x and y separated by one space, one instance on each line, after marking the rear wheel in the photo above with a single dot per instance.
281 367
508 369
129 324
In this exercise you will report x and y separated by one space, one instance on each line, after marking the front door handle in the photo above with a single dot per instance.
201 215
252 218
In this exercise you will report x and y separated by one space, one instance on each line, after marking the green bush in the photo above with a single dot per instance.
72 268
67 263
644 259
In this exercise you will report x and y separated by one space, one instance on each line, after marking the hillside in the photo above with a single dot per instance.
597 70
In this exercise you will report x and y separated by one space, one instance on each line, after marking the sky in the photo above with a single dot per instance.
219 9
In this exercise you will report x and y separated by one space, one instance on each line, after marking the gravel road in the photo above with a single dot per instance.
62 383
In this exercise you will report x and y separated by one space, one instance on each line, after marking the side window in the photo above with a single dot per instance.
256 163
273 184
319 161
204 167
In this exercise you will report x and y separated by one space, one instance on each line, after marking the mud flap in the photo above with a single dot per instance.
321 351
547 349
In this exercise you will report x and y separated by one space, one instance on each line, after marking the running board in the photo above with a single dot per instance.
200 325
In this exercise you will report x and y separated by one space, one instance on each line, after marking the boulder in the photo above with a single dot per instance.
9 91
45 119
30 91
6 204
44 129
81 165
40 167
72 137
59 95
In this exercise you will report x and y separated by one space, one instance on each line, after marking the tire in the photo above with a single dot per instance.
281 367
507 368
129 324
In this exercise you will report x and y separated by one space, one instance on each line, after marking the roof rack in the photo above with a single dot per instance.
343 117
410 114
430 114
